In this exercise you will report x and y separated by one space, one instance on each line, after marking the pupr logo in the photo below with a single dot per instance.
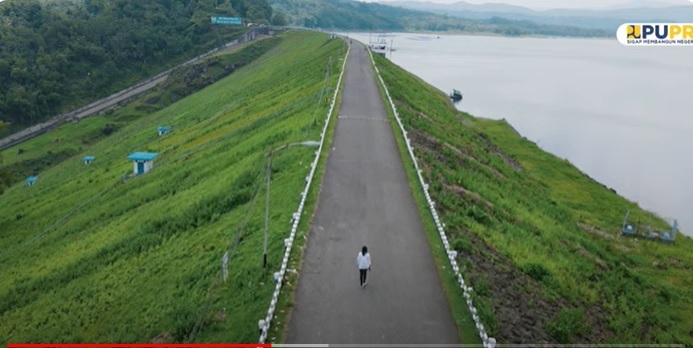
634 32
656 34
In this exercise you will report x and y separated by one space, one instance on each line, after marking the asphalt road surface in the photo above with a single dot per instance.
114 101
365 199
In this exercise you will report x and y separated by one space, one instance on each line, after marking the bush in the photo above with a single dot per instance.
108 129
567 325
486 315
462 244
536 271
479 215
481 288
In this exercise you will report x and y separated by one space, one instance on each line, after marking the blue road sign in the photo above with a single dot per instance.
226 20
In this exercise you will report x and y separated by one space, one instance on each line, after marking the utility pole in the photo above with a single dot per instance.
307 143
269 175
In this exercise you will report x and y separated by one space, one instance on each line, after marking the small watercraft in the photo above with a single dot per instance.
456 95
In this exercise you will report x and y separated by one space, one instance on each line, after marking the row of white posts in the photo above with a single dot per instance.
489 342
264 324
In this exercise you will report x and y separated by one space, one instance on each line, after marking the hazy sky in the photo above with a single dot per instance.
586 4
540 4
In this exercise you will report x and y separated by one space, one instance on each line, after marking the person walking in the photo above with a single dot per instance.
363 261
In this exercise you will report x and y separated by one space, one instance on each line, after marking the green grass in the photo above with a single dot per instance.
87 258
460 310
37 154
537 233
70 137
278 330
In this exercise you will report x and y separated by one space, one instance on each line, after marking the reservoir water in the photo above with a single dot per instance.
623 115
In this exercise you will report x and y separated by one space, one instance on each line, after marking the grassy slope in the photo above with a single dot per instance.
463 318
128 262
513 210
279 327
38 154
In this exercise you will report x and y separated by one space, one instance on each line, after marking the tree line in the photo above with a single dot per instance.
61 54
354 15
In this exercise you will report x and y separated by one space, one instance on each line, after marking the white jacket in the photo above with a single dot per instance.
363 261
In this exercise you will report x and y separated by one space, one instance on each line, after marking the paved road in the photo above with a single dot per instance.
139 90
365 199
144 88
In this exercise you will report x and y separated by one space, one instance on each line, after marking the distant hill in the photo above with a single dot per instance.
650 4
345 14
605 19
355 15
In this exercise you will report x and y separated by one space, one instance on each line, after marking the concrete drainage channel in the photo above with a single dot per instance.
264 324
489 342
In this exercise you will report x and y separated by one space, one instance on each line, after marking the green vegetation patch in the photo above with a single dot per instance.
460 311
39 154
91 253
538 239
189 79
367 16
61 54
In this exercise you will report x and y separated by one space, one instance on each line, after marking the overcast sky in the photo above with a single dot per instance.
593 4
550 3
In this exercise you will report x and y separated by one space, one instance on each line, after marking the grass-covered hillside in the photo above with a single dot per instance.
538 239
93 254
35 155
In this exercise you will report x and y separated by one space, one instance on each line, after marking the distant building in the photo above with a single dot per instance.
30 181
163 130
88 159
142 161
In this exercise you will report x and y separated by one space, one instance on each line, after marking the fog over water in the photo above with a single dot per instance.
621 114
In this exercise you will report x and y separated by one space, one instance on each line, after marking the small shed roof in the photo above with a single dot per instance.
88 158
163 129
143 156
31 179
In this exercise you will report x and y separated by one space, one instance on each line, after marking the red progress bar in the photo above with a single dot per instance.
136 345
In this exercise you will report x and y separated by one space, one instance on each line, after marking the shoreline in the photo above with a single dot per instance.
480 34
645 205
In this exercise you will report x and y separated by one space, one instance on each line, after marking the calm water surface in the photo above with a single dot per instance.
621 114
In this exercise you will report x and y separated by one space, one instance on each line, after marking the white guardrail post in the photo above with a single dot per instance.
489 342
264 324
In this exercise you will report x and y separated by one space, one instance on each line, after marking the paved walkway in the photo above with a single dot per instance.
365 199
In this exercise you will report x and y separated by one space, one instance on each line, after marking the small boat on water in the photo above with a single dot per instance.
456 95
379 47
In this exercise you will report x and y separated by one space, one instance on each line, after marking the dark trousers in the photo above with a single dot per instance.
363 274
